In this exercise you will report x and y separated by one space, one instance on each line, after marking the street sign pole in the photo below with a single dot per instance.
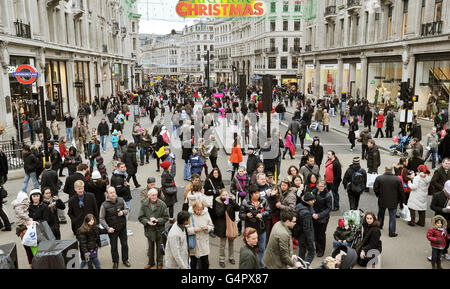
44 123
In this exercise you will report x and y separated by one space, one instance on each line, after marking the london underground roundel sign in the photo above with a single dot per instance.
26 71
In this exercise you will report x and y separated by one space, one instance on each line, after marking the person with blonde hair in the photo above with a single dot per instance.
81 204
200 226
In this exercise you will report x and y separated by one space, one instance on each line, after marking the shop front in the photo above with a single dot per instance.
56 86
24 98
352 79
432 80
82 82
117 77
289 80
309 78
384 77
328 79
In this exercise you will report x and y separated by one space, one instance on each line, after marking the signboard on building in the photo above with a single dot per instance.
26 74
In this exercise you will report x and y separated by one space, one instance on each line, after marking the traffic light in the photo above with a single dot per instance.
403 91
234 68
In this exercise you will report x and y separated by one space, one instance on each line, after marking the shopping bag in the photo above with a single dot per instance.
371 180
357 133
313 126
232 229
161 152
30 237
307 136
166 138
405 214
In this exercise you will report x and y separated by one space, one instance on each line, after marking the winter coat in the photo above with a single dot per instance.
114 141
434 233
248 207
389 190
108 214
444 147
371 238
439 178
176 253
319 115
197 164
55 128
39 213
3 164
72 161
252 161
70 181
418 198
380 120
414 163
93 150
322 206
248 258
102 169
288 141
440 200
79 133
167 181
353 126
373 158
159 212
365 136
118 180
30 163
220 209
279 251
337 172
201 238
89 240
129 158
294 126
236 155
305 171
98 189
213 186
240 186
77 214
21 212
347 180
432 140
317 152
103 129
304 230
345 235
326 118
367 118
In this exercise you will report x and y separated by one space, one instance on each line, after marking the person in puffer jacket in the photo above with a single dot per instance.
438 236
195 162
88 236
20 206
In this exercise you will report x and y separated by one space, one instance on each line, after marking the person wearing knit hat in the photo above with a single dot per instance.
165 165
343 234
305 238
356 160
418 197
354 181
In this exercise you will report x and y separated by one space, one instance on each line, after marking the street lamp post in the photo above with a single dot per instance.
207 56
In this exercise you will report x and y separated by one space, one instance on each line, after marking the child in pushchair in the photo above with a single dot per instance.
400 145
354 221
343 235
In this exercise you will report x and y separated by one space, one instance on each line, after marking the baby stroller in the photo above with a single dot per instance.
354 220
350 258
400 146
304 264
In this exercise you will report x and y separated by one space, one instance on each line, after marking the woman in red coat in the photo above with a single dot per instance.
236 156
380 121
63 151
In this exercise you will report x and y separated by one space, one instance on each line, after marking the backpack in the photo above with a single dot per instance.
164 236
358 181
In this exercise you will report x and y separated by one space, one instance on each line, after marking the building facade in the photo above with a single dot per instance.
367 48
161 54
266 45
82 50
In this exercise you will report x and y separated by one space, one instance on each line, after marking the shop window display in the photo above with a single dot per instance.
383 83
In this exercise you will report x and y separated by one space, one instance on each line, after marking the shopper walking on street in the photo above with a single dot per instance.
333 177
380 121
354 181
389 190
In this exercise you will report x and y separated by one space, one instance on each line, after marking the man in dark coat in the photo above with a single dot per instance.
389 190
373 157
354 191
440 176
416 130
93 151
129 158
303 231
55 156
80 174
317 151
444 146
389 124
3 167
49 179
103 132
81 204
252 161
119 182
30 164
368 118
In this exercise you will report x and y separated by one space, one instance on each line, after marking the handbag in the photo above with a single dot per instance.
232 229
191 238
170 190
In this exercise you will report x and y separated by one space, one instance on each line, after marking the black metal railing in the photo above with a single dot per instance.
14 153
258 51
330 10
22 29
295 49
432 28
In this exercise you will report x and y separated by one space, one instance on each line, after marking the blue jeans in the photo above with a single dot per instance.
93 261
392 222
318 125
27 179
261 247
103 140
69 134
336 243
175 127
334 190
434 157
332 111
